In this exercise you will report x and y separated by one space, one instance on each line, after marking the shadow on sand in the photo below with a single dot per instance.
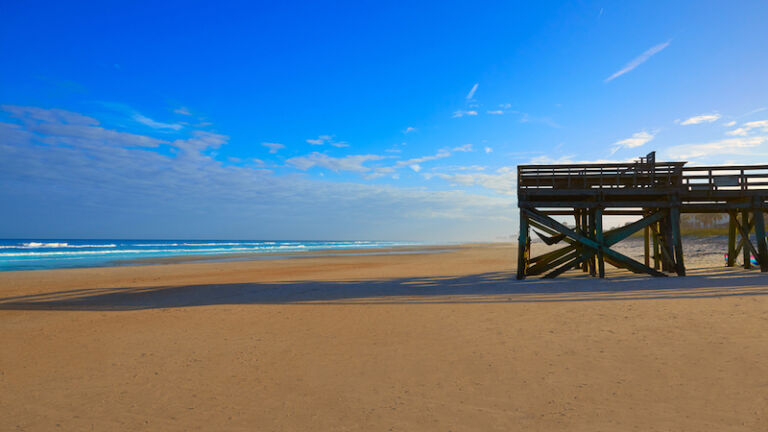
499 287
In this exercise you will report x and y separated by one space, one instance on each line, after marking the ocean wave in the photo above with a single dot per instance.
140 250
55 245
148 251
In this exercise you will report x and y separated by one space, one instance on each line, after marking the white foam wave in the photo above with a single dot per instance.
55 245
171 249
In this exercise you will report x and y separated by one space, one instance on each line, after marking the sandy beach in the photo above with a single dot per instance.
442 340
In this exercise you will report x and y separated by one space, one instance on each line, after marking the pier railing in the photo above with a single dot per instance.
599 176
725 178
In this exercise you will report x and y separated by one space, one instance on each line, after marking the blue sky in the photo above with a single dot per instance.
359 120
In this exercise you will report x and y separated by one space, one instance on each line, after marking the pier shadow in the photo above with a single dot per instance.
497 287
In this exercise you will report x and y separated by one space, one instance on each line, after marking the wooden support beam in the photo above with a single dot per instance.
647 246
586 265
731 239
746 243
550 240
565 267
664 255
745 238
549 256
593 236
668 260
762 248
621 233
600 241
677 241
541 227
523 244
545 267
589 243
656 246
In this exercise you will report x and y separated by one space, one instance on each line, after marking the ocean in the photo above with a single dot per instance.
40 254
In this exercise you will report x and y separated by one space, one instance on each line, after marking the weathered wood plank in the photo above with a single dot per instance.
522 247
731 239
762 248
677 241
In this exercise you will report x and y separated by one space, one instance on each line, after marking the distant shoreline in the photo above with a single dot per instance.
182 259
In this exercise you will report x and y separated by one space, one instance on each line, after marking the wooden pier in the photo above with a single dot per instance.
658 192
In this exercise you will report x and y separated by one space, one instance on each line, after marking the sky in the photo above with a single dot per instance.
353 120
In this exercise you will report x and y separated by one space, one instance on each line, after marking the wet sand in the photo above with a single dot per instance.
428 341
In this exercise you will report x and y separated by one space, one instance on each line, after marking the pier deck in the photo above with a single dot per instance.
657 191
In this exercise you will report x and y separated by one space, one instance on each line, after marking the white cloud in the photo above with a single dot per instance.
155 124
471 93
462 148
505 105
54 115
462 113
495 112
636 140
75 129
738 132
409 129
415 163
748 127
327 139
352 163
273 147
704 118
642 58
730 123
503 181
182 111
733 146
488 150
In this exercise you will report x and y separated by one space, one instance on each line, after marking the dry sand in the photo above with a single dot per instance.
440 341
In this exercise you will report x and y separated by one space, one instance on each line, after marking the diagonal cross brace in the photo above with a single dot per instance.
586 241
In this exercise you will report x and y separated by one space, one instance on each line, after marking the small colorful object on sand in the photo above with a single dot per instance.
752 259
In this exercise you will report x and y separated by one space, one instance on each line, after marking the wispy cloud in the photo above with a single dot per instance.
408 130
182 111
496 112
642 58
471 93
733 146
636 140
488 150
273 147
503 181
704 118
354 163
462 113
416 163
327 139
748 127
155 124
527 118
